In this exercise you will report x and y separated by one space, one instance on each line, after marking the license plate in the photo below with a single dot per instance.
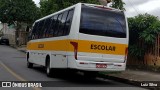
101 65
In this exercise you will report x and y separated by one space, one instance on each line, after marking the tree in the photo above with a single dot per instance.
144 29
119 4
17 12
50 6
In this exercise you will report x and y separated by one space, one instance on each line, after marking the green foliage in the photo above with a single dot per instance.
143 32
149 35
50 6
118 4
18 12
12 11
135 50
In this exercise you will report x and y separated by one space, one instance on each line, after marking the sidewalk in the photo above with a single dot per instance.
22 48
137 75
137 78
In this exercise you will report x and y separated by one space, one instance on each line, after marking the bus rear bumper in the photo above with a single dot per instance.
99 66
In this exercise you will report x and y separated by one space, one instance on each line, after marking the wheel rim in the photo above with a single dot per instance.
48 69
27 63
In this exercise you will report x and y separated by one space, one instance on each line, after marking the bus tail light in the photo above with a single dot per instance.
126 54
75 45
118 65
82 63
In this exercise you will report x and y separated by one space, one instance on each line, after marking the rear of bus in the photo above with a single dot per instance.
102 43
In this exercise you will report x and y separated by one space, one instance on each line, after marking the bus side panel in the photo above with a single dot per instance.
58 60
58 53
56 48
61 59
33 55
73 36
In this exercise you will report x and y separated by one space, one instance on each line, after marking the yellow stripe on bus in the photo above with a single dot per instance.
83 46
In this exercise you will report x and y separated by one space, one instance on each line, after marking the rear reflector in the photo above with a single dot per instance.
118 65
82 63
75 45
126 54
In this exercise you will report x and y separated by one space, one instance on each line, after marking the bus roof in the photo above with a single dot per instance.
87 4
56 13
93 5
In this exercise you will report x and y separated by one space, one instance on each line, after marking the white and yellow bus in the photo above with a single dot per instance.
83 37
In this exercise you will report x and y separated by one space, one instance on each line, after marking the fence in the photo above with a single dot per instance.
151 58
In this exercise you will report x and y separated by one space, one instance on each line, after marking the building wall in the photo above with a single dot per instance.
23 37
9 32
1 26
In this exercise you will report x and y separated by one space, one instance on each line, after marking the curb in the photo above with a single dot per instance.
24 51
127 81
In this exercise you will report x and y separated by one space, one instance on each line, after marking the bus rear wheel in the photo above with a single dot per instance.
29 65
49 70
90 74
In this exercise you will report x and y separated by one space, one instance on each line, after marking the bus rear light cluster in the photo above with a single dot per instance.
82 63
118 65
75 45
126 54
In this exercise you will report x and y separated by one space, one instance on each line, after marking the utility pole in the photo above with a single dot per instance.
104 2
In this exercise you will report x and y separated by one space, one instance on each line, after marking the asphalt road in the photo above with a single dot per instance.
13 68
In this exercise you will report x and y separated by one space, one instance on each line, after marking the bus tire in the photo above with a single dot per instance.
29 65
49 70
90 74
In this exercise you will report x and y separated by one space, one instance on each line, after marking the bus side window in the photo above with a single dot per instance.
41 23
43 28
68 22
37 31
34 30
46 27
31 36
62 25
52 26
57 25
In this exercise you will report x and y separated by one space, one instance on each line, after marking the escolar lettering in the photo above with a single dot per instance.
103 47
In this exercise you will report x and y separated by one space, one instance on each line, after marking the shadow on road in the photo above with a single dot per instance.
70 78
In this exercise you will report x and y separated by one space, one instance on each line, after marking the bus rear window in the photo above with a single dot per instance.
102 22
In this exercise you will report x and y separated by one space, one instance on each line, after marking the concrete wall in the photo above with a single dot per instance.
1 26
11 38
23 37
9 32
